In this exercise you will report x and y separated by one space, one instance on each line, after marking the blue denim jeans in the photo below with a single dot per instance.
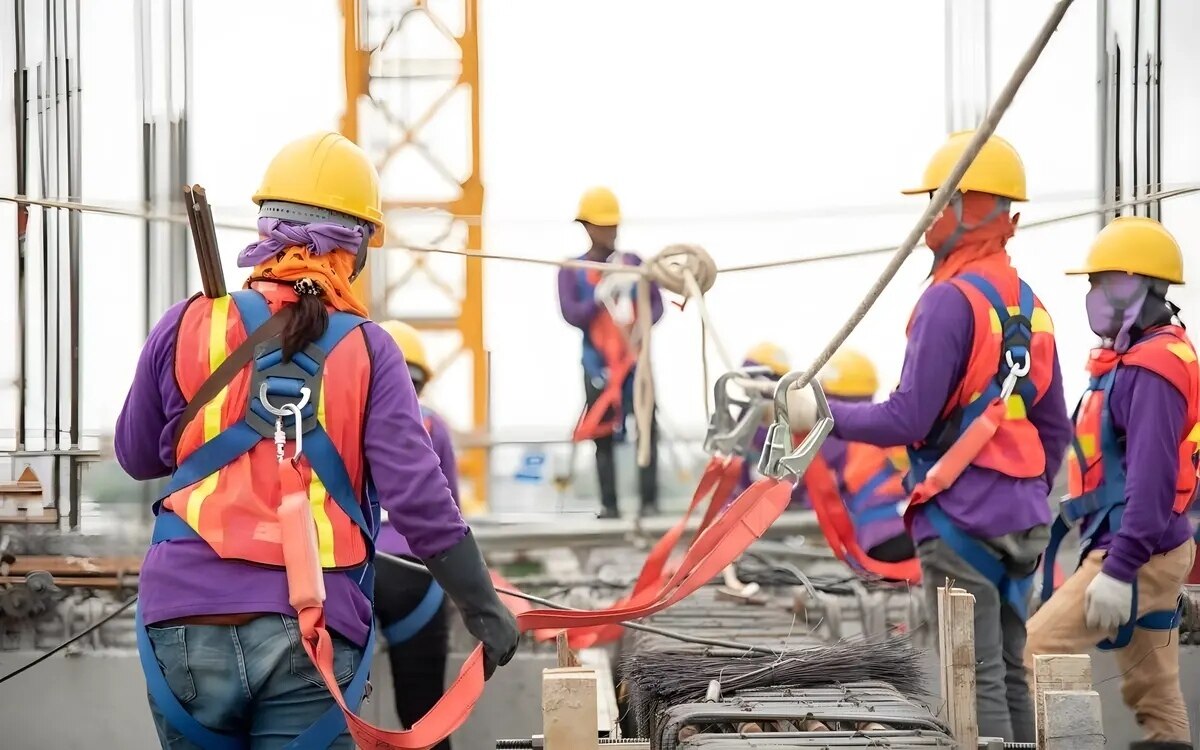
253 680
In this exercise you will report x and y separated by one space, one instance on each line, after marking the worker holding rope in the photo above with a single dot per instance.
856 487
1132 479
285 419
601 305
980 406
411 605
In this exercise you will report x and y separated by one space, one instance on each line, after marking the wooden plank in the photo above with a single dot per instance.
1057 672
569 709
566 657
608 714
58 565
956 644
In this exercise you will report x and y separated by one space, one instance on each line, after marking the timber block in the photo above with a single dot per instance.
569 714
1073 720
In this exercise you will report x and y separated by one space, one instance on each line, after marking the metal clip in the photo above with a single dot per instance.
1015 374
778 459
280 412
729 435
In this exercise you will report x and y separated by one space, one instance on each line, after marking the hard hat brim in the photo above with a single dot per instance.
1089 271
922 190
602 220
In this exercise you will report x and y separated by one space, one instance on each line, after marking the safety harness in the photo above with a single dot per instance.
1105 506
962 434
607 358
278 390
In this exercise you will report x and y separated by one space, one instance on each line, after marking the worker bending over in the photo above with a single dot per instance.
1132 477
866 479
411 605
222 390
602 306
976 332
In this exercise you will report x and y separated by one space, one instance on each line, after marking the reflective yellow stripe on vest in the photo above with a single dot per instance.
217 352
316 499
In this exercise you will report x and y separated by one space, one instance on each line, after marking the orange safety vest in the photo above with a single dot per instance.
1005 310
234 509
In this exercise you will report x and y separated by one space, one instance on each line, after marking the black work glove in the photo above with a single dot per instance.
461 571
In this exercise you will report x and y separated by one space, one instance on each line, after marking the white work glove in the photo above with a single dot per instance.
1107 603
614 285
802 409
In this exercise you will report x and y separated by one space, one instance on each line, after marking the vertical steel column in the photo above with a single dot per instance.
21 125
71 28
968 63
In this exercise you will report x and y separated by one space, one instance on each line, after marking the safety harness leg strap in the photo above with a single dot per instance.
591 423
414 622
1012 589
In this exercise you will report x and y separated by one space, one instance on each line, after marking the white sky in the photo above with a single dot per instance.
733 130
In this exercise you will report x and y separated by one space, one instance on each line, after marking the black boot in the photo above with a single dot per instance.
609 511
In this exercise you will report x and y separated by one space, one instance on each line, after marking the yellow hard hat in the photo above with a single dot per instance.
849 374
599 206
409 341
771 356
1135 244
997 168
328 171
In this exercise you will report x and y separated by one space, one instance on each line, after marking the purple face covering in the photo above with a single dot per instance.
320 238
1113 305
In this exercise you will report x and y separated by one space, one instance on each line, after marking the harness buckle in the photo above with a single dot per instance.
1015 373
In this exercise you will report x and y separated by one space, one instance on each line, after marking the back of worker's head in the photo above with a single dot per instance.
980 209
600 213
850 376
1130 265
319 210
409 341
770 356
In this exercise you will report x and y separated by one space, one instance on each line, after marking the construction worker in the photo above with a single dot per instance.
602 306
411 605
866 478
223 391
775 359
980 344
1132 478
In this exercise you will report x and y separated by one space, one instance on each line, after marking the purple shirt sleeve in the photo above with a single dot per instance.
576 309
1152 465
400 456
442 445
144 437
1049 416
938 345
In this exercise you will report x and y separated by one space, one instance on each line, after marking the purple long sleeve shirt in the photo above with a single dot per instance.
185 578
392 541
579 307
1150 525
982 502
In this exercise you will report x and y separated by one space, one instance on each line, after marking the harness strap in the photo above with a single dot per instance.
1015 591
414 622
864 493
1163 619
591 424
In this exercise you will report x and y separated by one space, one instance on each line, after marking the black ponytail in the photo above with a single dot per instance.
309 319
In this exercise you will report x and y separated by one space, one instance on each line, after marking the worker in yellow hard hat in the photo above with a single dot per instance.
979 343
601 305
411 605
286 420
1131 480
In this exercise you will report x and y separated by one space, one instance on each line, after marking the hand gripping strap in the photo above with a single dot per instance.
711 552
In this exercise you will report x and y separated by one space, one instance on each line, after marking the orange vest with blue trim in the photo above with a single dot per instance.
226 485
1008 320
1097 466
870 474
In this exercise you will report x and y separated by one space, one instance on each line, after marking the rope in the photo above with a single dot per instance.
86 631
942 197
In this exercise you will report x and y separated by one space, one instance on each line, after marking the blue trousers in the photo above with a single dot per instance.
253 680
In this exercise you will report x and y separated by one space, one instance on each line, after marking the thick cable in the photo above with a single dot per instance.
86 631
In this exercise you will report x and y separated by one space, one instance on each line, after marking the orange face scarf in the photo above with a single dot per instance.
975 243
331 271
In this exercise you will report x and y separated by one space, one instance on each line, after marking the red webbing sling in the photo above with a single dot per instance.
713 549
719 478
838 528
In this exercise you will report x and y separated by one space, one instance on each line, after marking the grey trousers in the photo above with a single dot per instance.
1002 701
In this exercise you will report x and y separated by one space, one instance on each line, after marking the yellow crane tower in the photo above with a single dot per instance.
387 48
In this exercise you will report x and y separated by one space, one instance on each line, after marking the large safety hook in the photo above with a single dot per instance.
728 435
280 412
778 458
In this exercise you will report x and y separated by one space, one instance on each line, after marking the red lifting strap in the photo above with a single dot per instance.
713 549
590 425
720 478
838 528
